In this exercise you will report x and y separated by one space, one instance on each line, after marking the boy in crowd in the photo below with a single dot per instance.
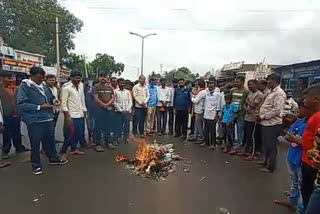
104 97
123 105
182 104
239 95
294 138
198 99
229 111
252 106
11 118
35 103
212 107
141 97
310 155
163 101
152 106
74 109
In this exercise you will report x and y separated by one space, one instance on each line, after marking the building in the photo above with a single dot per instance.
299 76
35 59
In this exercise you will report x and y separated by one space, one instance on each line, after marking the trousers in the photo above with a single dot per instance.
181 122
161 120
199 125
74 135
210 132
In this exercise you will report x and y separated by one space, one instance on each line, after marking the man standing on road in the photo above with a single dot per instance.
163 101
170 107
104 97
271 121
11 119
239 94
51 84
198 101
3 164
182 104
262 86
141 96
123 106
35 103
152 106
74 109
252 106
212 108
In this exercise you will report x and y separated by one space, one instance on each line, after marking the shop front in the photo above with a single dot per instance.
19 68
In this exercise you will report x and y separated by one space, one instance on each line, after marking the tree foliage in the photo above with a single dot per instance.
107 63
29 25
182 72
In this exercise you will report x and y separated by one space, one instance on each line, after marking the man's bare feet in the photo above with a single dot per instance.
284 203
249 158
77 152
4 164
64 157
27 158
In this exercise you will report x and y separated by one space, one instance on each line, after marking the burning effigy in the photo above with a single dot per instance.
152 160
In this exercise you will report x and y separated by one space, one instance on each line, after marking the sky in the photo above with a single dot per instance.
199 34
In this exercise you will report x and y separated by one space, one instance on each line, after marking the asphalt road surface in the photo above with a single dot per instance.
97 184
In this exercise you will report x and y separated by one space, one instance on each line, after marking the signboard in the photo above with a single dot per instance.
35 59
233 66
6 51
16 66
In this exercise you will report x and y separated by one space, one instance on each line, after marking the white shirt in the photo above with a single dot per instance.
164 95
141 95
73 101
122 100
212 104
171 96
198 101
54 91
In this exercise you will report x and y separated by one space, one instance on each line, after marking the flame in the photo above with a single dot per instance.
145 155
121 158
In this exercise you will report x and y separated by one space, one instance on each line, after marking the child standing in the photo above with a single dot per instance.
229 111
294 137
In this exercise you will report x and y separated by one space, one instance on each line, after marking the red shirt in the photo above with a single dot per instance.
308 136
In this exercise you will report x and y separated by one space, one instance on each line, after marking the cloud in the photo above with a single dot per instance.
201 34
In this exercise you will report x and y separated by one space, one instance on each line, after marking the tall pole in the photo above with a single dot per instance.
142 55
58 52
85 66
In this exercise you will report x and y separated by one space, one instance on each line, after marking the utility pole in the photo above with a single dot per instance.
85 66
58 52
161 69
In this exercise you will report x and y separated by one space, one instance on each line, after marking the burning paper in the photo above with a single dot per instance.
152 160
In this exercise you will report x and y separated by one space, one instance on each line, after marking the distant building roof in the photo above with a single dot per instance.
33 54
299 65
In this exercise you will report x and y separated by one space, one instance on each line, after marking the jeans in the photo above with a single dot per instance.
314 205
251 136
199 125
123 125
12 131
181 122
240 132
42 133
309 175
270 144
210 132
140 118
192 124
295 197
171 119
161 120
74 135
228 134
150 119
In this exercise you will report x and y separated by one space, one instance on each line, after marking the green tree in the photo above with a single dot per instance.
75 62
29 25
106 63
155 75
182 72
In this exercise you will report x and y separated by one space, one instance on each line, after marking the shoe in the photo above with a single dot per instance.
284 203
77 152
115 143
232 152
37 171
22 150
203 144
4 164
99 149
5 156
183 137
265 170
261 163
212 147
110 146
226 150
59 162
199 142
249 158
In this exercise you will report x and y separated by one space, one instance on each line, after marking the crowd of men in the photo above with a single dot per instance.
248 122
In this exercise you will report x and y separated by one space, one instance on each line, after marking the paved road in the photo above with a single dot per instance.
96 184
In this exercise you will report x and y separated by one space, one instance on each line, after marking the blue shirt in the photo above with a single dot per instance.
295 153
182 99
229 112
153 96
